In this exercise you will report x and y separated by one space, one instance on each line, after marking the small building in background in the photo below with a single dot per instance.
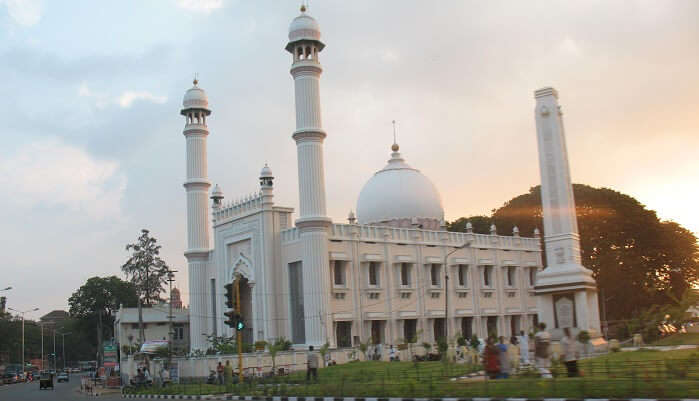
155 325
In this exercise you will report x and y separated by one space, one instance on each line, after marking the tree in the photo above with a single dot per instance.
480 224
95 302
621 242
145 269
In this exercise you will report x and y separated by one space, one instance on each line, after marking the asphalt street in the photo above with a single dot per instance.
62 392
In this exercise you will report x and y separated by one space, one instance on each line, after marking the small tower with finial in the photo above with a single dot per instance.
493 229
216 197
515 231
351 218
267 187
469 227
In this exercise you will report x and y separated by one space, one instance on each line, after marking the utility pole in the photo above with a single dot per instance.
239 332
63 335
446 288
22 313
42 345
170 279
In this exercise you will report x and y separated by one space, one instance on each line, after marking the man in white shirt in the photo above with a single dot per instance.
542 343
523 339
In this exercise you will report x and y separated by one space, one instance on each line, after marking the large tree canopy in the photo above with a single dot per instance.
636 259
94 304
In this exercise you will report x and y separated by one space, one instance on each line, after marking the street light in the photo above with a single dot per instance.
64 348
22 313
446 287
6 289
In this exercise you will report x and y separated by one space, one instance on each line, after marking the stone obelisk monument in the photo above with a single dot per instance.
567 293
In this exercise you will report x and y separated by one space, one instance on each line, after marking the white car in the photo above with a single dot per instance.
62 377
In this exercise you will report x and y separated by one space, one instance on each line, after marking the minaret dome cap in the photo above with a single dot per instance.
304 27
195 98
266 172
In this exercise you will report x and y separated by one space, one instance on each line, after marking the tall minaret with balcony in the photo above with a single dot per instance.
195 108
567 292
305 46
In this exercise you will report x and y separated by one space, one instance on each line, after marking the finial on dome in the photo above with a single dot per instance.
196 79
395 146
303 8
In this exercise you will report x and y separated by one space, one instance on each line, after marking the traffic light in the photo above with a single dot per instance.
233 319
230 296
240 325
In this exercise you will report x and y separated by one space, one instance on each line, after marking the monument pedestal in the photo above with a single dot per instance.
567 297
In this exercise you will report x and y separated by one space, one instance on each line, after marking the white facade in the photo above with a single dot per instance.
314 280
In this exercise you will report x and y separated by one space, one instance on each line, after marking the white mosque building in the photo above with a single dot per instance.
389 275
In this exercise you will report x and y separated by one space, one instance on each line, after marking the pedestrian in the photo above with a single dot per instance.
228 375
523 347
503 359
219 373
491 362
311 364
542 343
513 351
569 348
392 354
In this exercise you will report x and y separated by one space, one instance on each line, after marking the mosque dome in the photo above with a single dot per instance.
195 98
400 196
304 27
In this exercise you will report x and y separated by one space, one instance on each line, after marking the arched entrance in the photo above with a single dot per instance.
242 268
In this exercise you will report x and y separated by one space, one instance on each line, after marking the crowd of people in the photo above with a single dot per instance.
500 357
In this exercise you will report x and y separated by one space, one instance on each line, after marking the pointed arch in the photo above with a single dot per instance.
243 266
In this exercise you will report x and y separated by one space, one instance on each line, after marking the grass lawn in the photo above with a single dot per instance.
638 374
680 339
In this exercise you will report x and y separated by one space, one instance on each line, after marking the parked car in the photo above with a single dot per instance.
10 378
62 377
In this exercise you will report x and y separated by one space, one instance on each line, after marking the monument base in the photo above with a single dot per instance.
567 297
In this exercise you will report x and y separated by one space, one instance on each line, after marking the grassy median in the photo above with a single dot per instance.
638 374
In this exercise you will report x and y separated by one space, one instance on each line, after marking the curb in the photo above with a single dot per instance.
278 398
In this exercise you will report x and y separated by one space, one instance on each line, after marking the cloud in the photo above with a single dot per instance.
203 6
23 12
125 100
128 97
51 173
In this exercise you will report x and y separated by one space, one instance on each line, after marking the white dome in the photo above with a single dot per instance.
266 172
195 98
304 27
400 195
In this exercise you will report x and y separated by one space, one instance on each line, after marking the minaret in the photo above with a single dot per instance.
305 46
195 108
567 291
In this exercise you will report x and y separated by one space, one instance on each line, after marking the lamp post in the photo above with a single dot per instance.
6 289
22 313
446 287
63 335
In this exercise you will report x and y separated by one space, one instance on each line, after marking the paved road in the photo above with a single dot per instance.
62 392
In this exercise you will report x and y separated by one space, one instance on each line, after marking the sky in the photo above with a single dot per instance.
92 146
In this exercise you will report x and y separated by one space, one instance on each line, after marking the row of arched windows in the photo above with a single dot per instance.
196 117
307 52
